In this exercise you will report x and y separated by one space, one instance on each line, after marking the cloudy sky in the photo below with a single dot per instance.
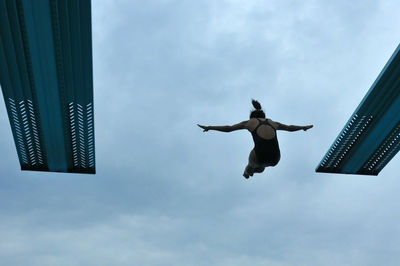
166 193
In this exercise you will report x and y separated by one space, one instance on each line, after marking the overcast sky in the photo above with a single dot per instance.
166 193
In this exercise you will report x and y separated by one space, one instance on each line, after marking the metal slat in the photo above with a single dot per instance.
382 102
47 83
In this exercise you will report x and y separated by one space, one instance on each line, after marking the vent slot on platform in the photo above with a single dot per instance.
24 123
346 141
385 152
82 135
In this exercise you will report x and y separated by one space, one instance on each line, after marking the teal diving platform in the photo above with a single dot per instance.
371 137
46 77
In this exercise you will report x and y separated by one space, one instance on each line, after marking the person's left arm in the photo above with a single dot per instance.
291 128
241 125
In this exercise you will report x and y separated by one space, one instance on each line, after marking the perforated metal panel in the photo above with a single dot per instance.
371 137
47 82
384 153
345 142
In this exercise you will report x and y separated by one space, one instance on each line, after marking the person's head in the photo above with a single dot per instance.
258 112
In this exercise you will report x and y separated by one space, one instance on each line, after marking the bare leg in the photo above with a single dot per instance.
259 169
250 170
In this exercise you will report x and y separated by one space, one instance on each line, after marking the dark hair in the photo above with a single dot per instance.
258 113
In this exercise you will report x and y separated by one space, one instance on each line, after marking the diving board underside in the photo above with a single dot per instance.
371 137
46 78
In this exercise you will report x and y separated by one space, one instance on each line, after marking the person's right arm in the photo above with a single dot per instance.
241 125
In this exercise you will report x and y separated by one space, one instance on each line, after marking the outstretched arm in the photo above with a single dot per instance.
292 127
241 125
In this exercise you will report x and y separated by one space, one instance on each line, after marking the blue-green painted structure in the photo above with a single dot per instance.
371 137
46 78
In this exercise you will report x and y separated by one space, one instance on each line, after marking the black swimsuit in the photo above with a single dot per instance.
267 150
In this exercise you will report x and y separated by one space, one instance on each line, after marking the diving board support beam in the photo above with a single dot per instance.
46 76
371 137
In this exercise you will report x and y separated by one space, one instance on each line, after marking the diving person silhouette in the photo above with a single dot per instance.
266 152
